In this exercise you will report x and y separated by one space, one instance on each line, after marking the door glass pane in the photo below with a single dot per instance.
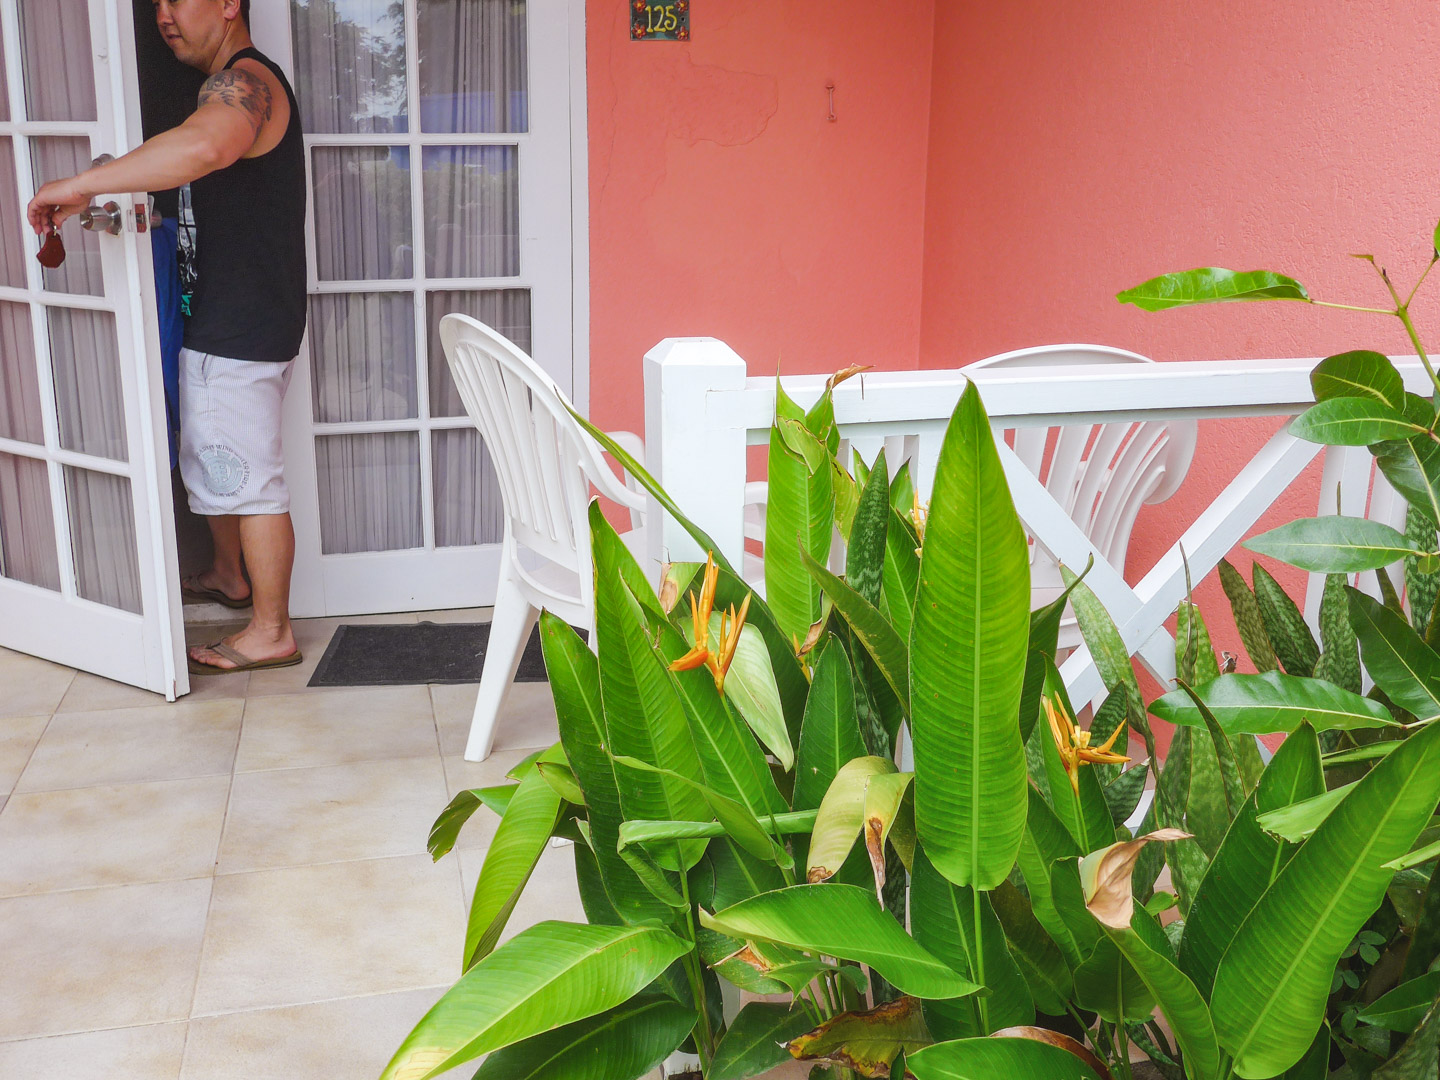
57 59
13 233
469 508
472 211
19 383
4 83
362 357
51 158
27 526
369 492
88 396
505 310
472 65
350 65
362 213
102 538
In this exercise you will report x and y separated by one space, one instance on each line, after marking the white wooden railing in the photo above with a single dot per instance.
702 411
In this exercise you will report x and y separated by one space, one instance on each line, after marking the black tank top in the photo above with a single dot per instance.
249 301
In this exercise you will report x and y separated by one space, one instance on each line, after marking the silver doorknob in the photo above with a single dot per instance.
102 218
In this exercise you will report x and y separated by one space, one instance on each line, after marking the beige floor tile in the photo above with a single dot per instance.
114 835
306 934
163 742
30 686
457 615
90 692
349 1039
461 774
527 719
152 1052
295 817
100 958
18 738
551 892
378 723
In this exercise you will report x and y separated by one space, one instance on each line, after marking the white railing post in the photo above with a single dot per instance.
698 457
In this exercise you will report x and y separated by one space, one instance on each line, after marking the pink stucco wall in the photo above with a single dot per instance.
723 202
1077 149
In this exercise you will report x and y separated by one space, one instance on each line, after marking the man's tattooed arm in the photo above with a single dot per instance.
239 90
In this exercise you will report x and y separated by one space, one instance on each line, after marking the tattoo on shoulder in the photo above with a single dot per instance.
239 90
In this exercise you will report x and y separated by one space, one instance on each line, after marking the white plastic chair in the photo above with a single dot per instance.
1100 474
546 464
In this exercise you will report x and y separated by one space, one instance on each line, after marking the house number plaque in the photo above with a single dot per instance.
665 20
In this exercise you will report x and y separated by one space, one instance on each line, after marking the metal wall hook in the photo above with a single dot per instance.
830 97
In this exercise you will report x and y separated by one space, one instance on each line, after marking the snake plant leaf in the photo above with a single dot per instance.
830 735
510 859
547 976
801 505
967 660
1422 583
645 716
1273 702
1405 1006
1360 373
1040 651
1249 858
1352 421
1413 468
889 817
1112 658
1333 544
1211 284
1397 659
1273 981
1248 620
1299 820
1046 841
943 918
866 1042
842 921
1122 795
755 1041
623 1043
1038 957
841 816
901 573
881 641
865 550
1294 643
986 1059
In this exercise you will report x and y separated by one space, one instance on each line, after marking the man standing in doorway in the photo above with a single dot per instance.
242 154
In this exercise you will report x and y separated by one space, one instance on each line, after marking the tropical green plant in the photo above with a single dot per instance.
728 773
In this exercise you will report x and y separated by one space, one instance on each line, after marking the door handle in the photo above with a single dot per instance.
105 218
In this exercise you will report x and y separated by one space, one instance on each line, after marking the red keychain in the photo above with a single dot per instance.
52 252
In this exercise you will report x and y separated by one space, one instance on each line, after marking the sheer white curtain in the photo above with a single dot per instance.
48 30
13 241
27 523
353 72
19 384
102 531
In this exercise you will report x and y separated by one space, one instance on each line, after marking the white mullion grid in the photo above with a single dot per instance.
74 129
377 285
74 458
415 140
82 301
366 427
420 138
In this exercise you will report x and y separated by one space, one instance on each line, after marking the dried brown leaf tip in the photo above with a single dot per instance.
1056 1038
845 373
1105 877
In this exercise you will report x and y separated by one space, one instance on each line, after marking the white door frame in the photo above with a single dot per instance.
431 577
145 649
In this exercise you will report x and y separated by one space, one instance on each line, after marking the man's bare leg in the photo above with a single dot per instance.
268 544
227 568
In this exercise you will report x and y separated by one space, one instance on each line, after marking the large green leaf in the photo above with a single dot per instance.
987 1059
1397 659
750 687
1260 704
1360 373
799 515
548 976
1404 1007
622 1044
1299 820
451 820
510 859
1413 468
843 921
1078 801
830 734
652 832
755 1041
1333 544
1209 285
1273 981
967 660
881 641
645 717
944 918
841 816
1046 841
902 573
1040 960
1352 421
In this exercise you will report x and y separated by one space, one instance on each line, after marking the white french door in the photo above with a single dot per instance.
438 141
88 569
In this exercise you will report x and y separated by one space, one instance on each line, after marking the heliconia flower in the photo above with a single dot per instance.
731 623
730 626
1073 743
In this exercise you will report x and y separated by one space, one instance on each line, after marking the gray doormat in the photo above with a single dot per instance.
410 653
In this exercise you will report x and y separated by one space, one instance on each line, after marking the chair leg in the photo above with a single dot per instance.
509 630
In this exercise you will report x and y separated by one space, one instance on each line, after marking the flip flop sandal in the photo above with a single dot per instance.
241 661
199 592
